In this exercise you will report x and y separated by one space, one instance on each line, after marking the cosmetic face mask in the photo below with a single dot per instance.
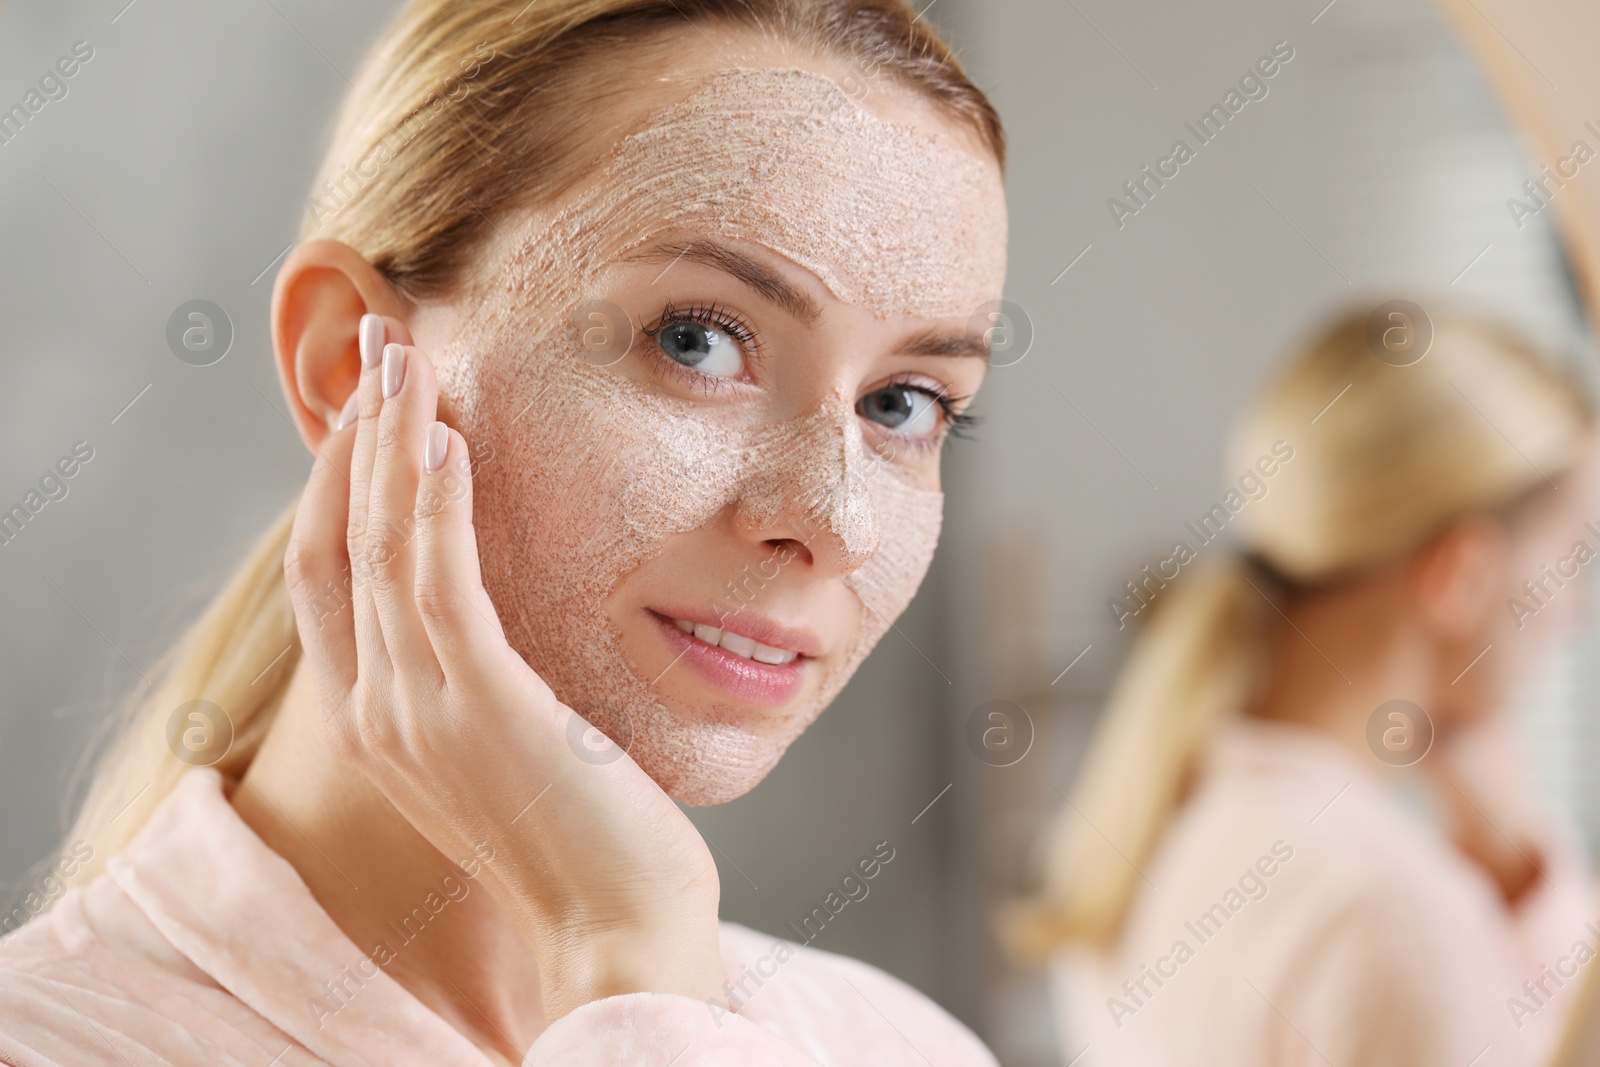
593 472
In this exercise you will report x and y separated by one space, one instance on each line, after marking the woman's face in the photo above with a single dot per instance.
1549 565
707 392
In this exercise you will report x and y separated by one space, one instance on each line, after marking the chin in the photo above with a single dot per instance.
712 750
701 790
721 763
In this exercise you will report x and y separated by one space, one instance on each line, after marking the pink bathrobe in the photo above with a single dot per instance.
201 947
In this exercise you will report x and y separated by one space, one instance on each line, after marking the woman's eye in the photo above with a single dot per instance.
705 348
903 409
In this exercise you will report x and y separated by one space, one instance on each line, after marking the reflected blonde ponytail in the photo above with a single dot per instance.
463 112
1196 661
1479 421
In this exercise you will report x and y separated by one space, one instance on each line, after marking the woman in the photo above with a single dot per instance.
1246 874
626 334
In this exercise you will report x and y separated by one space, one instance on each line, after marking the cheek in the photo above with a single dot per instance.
676 473
910 518
590 475
542 496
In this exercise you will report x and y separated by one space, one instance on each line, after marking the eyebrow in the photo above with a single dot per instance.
759 278
934 343
739 265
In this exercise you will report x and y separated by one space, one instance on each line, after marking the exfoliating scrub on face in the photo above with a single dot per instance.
594 471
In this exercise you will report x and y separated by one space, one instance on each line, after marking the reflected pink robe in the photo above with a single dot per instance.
1375 944
202 946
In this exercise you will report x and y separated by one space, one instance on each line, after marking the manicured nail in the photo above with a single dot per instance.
437 446
394 369
371 334
348 414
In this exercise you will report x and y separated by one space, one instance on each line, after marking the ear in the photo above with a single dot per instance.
318 299
1458 578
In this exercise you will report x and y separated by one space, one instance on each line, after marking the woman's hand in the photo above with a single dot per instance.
609 882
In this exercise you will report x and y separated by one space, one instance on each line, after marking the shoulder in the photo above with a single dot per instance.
1351 906
837 1009
1324 859
92 976
64 994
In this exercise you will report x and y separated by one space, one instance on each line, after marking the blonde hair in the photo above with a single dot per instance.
417 196
1403 451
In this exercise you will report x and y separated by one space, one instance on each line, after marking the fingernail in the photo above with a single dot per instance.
438 445
394 369
371 334
348 414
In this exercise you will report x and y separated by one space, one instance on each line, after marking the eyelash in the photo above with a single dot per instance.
957 423
705 315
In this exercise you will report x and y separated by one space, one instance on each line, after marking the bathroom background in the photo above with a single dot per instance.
1374 167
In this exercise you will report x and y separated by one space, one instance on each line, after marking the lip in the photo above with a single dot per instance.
756 627
763 685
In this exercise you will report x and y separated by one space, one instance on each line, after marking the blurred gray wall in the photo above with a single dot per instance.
174 169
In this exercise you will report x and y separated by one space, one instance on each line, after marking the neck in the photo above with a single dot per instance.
1336 656
396 896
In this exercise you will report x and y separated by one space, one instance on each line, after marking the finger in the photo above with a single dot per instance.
369 391
409 405
395 331
455 608
317 569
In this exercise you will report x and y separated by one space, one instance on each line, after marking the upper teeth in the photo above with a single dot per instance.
738 644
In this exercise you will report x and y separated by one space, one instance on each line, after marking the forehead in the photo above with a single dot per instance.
895 216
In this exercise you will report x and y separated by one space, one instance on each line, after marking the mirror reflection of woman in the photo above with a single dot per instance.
1547 81
1304 832
626 335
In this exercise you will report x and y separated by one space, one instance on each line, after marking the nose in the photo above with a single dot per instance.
807 482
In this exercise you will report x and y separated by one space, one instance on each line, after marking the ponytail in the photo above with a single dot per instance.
239 655
1194 665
